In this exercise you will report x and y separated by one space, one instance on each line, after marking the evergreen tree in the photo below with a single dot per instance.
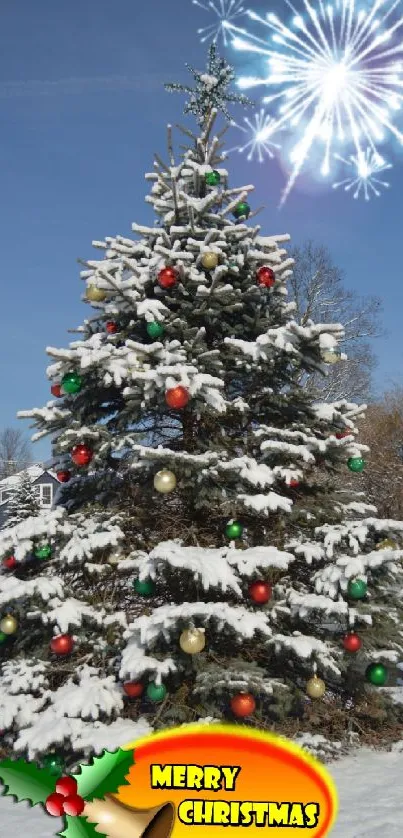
23 502
201 564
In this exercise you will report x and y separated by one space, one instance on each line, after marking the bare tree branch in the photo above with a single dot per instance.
382 430
318 291
15 452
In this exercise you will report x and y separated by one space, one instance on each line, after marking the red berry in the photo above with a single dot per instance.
10 562
66 786
54 805
133 689
73 805
56 390
111 327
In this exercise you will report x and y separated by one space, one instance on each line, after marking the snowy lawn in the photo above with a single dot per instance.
370 792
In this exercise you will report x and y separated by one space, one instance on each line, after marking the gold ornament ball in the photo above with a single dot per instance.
331 356
387 544
315 687
115 558
210 261
164 481
192 641
95 294
8 625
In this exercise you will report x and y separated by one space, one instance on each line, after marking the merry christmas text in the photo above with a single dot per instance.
228 812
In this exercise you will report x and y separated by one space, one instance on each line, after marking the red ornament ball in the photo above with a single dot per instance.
260 592
66 786
133 689
167 277
351 642
343 434
266 277
73 805
10 562
63 644
56 390
54 805
82 455
243 705
63 476
293 484
177 397
111 327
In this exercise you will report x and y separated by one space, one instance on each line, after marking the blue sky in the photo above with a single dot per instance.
82 111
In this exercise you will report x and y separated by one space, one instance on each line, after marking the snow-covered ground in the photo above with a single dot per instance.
370 789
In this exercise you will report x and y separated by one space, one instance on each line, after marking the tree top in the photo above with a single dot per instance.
211 91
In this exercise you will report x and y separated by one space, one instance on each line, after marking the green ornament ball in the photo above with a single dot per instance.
156 692
376 674
242 210
54 763
3 637
357 588
71 383
356 464
43 552
212 178
144 587
234 530
155 329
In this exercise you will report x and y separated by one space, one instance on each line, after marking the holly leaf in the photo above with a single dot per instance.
78 827
26 781
104 775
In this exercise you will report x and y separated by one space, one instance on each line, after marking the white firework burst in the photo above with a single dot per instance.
363 179
337 74
259 131
225 12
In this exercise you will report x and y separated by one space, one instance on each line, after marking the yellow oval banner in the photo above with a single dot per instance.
214 780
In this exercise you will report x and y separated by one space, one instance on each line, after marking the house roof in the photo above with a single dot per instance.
33 473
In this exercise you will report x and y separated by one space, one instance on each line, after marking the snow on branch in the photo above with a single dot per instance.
213 567
265 504
164 620
135 662
20 539
68 614
307 648
44 587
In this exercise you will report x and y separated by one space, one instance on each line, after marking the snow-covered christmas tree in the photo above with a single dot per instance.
23 502
199 563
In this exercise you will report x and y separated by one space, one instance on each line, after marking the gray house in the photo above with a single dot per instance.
45 484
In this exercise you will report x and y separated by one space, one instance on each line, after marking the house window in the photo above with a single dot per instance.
44 493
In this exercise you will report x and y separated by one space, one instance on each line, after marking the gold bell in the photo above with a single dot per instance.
116 820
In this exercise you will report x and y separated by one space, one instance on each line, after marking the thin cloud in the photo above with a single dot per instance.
79 86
